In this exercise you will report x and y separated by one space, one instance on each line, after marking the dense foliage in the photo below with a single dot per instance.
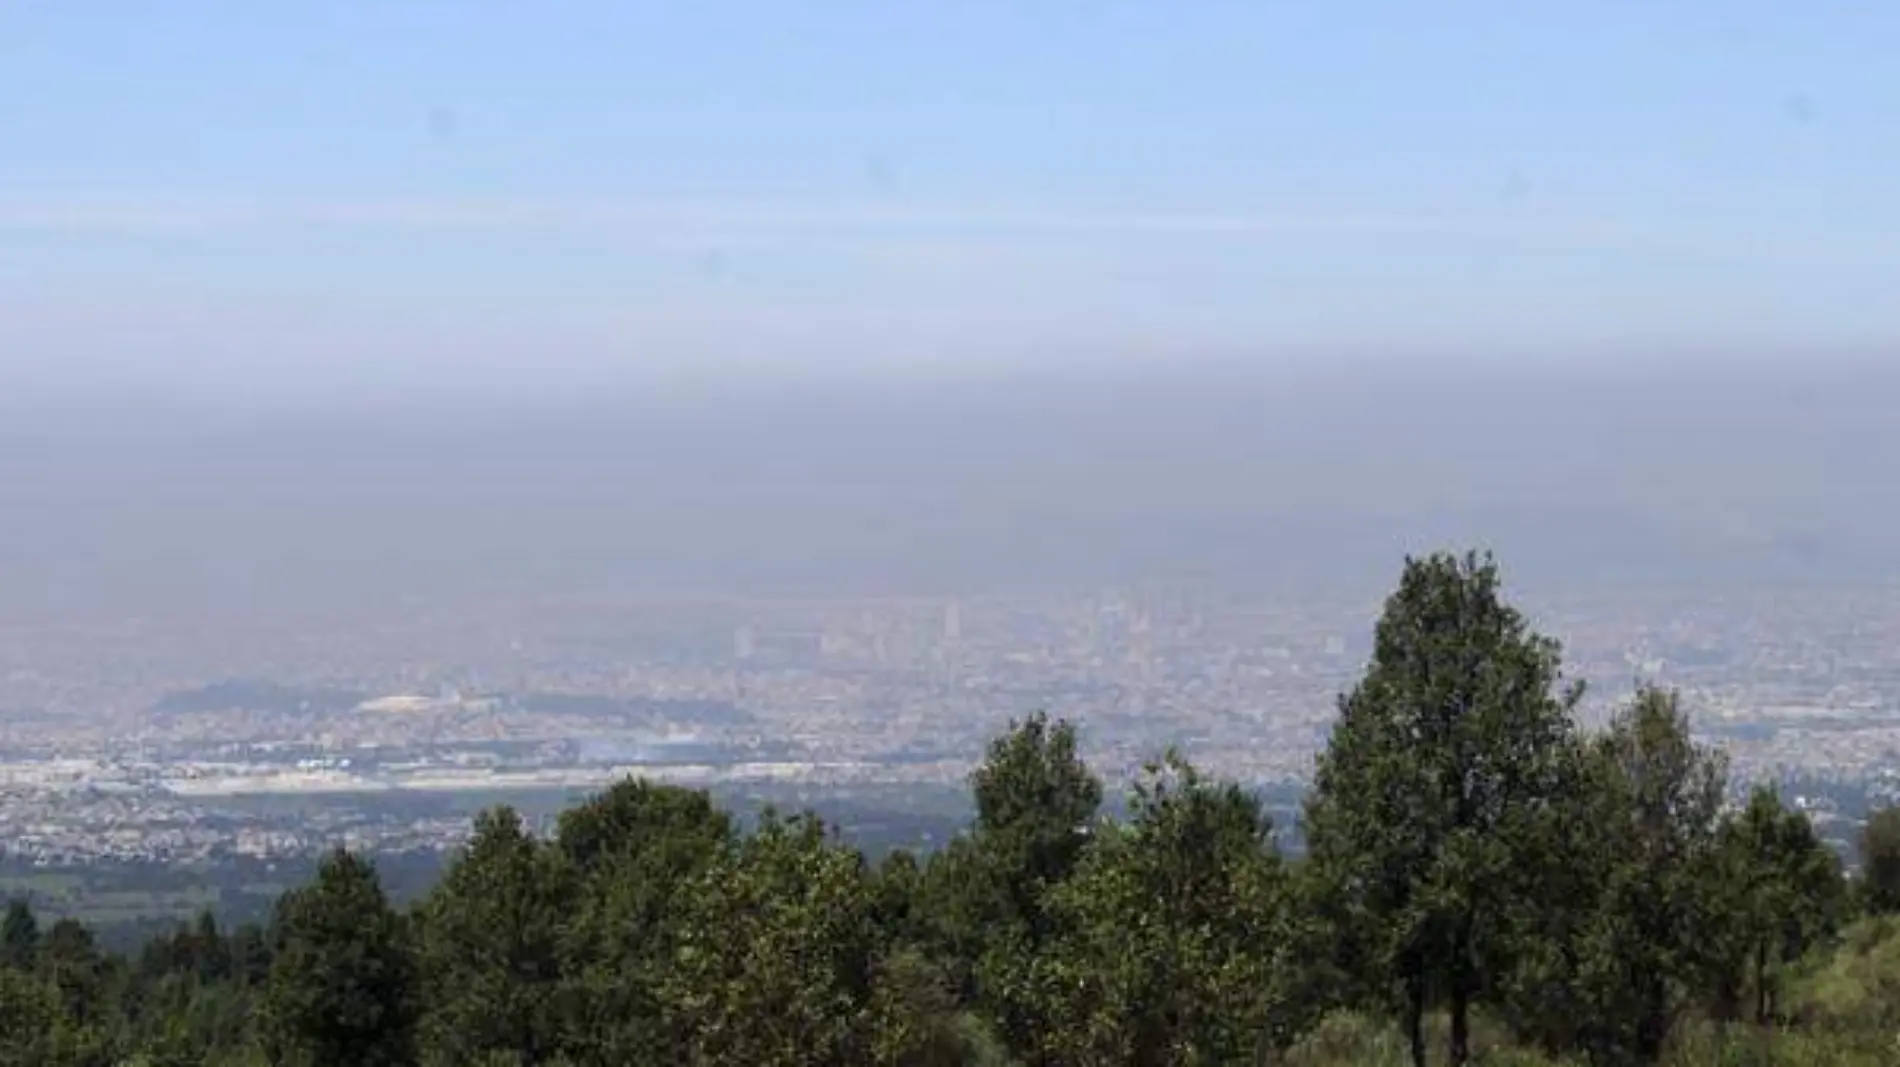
1483 881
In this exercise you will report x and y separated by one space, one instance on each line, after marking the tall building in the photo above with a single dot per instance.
742 643
952 622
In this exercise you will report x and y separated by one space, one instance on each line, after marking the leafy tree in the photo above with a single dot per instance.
72 963
1782 894
1559 886
773 961
489 947
1644 835
185 1022
1444 760
1036 801
636 850
675 827
1880 862
1165 952
35 1032
19 936
196 948
341 986
250 955
32 1028
212 952
916 1019
897 889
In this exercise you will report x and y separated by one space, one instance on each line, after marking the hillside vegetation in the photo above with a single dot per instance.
1483 882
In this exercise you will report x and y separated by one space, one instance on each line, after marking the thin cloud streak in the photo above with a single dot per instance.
660 219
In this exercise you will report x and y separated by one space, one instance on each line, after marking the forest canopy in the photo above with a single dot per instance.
1483 881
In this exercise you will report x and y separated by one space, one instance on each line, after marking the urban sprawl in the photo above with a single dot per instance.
156 736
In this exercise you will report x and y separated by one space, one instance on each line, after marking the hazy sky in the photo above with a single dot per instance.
351 193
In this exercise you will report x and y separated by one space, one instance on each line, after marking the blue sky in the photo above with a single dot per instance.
289 194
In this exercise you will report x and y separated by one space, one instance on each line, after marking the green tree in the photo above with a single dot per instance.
1781 893
636 849
31 1025
1443 762
341 985
1645 840
670 827
19 936
73 964
916 1020
775 952
185 1022
1880 862
196 948
917 1017
897 886
489 947
1167 936
1036 801
35 1032
214 949
250 955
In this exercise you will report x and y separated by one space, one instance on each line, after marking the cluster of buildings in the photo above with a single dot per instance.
115 737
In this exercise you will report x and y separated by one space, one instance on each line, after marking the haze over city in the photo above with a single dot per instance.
779 293
1238 477
406 406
